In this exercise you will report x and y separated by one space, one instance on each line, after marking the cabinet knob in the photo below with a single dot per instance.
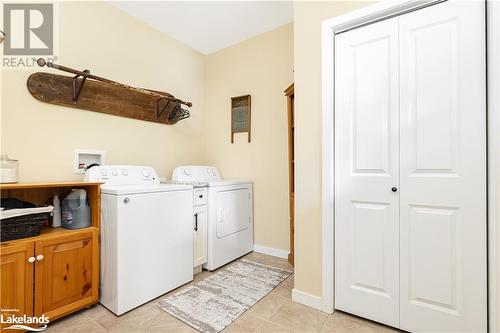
126 200
39 257
31 260
394 189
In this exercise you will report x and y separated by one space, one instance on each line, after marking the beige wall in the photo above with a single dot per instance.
262 67
308 16
112 44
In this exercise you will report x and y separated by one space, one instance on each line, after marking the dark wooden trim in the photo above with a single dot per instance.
290 95
290 90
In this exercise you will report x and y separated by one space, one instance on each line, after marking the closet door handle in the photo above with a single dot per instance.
39 257
394 189
31 260
196 222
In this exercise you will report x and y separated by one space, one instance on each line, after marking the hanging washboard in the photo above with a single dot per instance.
241 115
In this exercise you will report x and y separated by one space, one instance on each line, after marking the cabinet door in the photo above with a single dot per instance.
66 274
200 235
16 279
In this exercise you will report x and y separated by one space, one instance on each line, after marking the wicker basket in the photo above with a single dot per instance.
22 226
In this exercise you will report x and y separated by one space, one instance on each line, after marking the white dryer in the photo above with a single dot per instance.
230 213
146 235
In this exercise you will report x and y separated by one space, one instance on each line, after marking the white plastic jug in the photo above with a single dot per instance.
76 210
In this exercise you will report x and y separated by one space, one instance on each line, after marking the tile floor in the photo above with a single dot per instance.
274 313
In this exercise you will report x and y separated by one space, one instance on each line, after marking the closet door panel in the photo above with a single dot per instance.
366 168
443 168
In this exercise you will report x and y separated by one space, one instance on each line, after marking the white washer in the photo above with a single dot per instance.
146 235
230 213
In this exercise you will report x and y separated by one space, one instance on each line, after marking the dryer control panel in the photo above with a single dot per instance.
122 175
195 173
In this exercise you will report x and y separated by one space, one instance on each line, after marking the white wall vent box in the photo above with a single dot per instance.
86 157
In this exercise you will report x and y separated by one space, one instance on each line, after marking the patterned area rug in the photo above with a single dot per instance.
215 302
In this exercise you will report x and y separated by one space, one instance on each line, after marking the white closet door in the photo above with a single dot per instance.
443 168
366 168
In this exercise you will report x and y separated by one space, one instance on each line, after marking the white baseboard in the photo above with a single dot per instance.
307 299
270 251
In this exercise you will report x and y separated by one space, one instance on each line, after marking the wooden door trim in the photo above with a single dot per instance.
289 93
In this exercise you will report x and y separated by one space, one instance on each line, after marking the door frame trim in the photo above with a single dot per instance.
290 95
370 14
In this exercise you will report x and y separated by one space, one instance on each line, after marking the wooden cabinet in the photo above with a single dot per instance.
57 272
200 235
66 273
16 279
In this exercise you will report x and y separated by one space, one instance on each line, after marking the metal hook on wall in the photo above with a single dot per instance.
77 90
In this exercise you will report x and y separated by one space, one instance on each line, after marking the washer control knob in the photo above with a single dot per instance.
115 172
124 172
145 172
104 173
187 172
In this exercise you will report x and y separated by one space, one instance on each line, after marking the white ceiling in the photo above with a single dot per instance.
208 26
